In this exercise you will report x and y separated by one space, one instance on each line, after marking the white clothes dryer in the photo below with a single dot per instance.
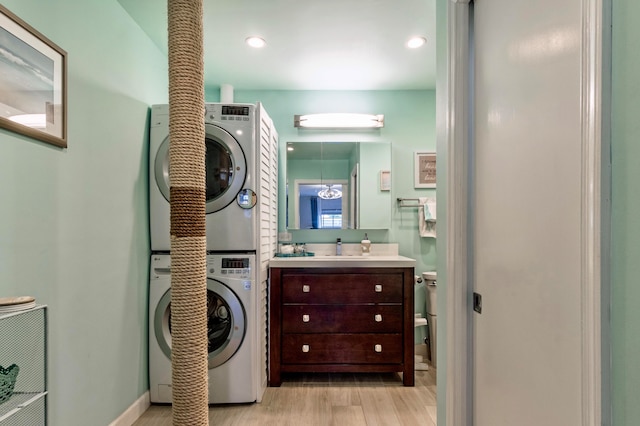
232 176
233 360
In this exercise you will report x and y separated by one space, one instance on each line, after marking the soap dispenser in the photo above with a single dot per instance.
365 246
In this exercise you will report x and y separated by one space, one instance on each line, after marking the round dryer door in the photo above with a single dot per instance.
226 323
225 164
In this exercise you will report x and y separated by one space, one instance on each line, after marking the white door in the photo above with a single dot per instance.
527 203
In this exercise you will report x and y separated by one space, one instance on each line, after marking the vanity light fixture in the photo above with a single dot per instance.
329 193
256 42
338 121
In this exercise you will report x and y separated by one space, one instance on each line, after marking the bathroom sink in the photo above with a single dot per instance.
328 261
346 256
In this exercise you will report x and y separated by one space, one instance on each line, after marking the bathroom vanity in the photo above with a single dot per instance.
341 314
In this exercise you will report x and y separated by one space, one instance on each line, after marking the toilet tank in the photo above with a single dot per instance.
430 279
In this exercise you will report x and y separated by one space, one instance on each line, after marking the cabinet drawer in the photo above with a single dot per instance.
342 319
342 288
342 348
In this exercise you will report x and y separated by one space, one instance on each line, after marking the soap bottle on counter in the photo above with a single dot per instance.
339 247
365 246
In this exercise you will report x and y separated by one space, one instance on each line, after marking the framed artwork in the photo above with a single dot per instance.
32 82
425 170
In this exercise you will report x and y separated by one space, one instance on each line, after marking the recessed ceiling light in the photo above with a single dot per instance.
416 42
256 42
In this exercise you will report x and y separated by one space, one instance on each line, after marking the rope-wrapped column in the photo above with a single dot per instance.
187 151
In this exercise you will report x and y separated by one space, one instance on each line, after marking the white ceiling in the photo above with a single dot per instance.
311 45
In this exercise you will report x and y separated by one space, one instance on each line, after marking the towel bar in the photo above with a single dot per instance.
408 202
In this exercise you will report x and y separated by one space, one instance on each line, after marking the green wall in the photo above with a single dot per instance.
74 228
625 287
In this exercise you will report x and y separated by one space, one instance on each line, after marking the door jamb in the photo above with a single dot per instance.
456 120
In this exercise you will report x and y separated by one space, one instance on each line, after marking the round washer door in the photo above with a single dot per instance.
226 323
225 165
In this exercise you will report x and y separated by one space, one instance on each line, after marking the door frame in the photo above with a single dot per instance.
454 150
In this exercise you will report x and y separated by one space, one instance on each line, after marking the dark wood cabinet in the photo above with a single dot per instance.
341 320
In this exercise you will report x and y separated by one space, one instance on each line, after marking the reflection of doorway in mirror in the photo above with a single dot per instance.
313 212
425 170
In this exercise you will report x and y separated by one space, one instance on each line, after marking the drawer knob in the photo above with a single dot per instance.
305 318
305 348
378 318
378 288
305 288
378 348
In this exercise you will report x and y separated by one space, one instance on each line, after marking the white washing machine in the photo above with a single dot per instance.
231 132
231 320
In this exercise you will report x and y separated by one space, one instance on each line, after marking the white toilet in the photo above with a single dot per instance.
430 279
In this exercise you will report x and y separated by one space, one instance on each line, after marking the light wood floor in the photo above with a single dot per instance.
327 399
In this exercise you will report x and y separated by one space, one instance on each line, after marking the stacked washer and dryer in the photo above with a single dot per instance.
241 223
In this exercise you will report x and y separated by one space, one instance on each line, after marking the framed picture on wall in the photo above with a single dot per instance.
425 170
32 82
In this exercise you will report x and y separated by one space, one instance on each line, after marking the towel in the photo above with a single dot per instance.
429 209
427 217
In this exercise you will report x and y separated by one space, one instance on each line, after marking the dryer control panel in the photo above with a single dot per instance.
230 266
216 112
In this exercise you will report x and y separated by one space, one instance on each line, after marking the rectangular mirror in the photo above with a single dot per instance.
336 185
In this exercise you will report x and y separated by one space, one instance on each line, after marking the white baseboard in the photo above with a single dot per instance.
134 411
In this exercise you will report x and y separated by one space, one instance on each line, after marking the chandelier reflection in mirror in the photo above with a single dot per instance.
329 193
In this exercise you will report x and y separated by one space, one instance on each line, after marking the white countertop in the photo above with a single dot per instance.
346 261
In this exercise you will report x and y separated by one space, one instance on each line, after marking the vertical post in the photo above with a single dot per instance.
187 151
